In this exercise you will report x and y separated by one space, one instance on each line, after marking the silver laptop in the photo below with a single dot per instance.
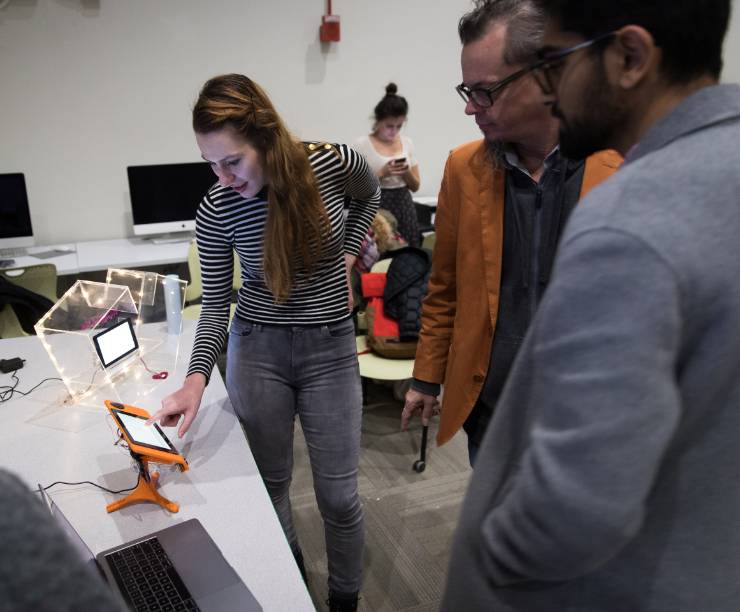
177 568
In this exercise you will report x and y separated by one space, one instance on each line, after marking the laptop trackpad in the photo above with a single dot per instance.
197 559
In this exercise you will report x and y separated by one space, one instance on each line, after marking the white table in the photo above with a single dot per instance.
65 262
430 201
222 488
128 253
103 254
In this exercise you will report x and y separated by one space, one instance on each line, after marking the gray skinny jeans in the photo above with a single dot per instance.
275 372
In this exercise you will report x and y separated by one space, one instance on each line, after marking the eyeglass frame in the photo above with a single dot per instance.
539 70
547 61
491 91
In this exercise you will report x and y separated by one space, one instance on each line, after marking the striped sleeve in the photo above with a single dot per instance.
364 192
215 251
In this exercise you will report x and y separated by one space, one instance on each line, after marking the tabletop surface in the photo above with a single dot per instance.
43 440
75 258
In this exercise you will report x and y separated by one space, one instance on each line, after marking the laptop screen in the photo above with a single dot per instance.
77 542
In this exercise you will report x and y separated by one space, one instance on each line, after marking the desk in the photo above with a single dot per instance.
66 263
128 253
96 255
430 201
222 488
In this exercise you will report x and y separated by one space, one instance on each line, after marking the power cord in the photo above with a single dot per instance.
7 391
155 375
119 441
93 484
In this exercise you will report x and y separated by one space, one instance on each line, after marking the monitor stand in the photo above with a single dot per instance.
172 238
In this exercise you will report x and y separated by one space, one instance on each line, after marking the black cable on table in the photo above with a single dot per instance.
93 484
7 392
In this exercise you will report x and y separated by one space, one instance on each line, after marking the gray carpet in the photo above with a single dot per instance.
409 517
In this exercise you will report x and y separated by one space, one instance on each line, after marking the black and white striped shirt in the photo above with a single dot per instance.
226 222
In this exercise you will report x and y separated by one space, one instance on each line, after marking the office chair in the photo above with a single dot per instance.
399 371
41 279
373 365
429 240
194 291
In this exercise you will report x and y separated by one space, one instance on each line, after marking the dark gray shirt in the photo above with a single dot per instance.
535 213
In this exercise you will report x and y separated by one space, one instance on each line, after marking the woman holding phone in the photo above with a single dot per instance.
279 204
391 156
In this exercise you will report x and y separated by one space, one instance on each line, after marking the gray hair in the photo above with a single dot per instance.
525 26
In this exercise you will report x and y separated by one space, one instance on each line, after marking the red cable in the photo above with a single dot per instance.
328 2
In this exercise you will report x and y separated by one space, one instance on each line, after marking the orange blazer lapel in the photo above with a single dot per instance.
490 203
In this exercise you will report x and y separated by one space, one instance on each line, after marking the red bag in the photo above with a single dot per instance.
383 335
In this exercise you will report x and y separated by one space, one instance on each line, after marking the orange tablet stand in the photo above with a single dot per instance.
146 489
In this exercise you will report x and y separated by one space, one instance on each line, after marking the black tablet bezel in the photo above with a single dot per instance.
122 426
109 329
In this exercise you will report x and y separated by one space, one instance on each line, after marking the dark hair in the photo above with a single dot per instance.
391 104
688 32
296 215
524 20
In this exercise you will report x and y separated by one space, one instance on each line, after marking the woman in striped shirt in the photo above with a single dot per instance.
279 204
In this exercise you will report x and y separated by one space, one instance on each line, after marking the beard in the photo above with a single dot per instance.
495 151
596 127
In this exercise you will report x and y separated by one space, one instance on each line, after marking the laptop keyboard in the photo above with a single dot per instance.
147 579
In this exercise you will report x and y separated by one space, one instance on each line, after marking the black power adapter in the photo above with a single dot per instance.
11 365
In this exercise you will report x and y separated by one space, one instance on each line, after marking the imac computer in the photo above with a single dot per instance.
165 197
15 216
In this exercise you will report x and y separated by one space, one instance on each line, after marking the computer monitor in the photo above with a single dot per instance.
15 216
165 197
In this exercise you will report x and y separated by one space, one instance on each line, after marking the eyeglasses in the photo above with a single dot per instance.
545 69
485 96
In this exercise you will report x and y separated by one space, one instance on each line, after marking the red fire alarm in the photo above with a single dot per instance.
329 29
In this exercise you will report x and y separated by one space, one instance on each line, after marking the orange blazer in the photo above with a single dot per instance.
459 313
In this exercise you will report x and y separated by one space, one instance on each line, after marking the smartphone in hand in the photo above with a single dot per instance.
399 161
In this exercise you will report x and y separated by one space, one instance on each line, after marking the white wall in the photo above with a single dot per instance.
88 87
731 73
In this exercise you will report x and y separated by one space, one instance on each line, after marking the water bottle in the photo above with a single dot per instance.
172 303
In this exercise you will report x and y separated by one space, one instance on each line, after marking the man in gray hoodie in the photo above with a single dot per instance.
609 476
40 570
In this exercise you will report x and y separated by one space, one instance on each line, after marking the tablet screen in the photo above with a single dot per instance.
115 342
141 433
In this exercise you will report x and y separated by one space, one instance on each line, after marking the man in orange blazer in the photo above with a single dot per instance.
501 209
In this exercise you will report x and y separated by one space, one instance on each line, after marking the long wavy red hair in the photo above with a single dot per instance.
297 227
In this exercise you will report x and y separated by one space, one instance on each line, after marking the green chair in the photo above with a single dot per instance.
429 240
374 366
41 279
195 286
